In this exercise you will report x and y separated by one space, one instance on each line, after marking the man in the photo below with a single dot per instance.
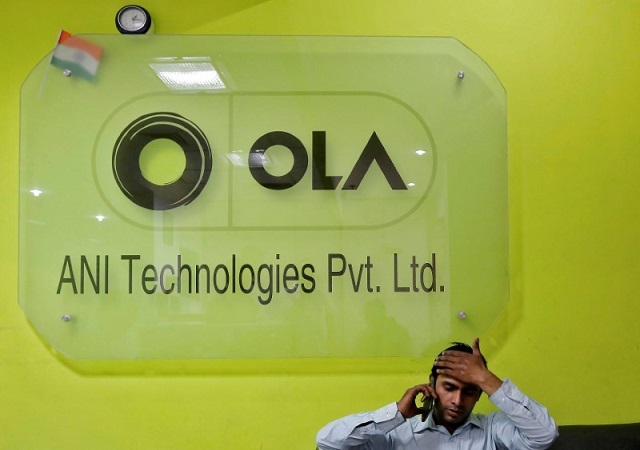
458 378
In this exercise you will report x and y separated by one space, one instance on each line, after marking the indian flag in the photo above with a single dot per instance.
79 56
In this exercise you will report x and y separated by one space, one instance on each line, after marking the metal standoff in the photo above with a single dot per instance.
66 318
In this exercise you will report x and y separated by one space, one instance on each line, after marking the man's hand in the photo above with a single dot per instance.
468 368
407 404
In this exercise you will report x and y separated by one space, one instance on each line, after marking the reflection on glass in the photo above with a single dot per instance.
236 159
191 73
259 159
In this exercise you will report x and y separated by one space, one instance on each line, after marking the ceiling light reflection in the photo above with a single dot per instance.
235 157
259 159
192 73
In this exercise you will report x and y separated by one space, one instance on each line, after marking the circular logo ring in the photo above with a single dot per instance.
126 161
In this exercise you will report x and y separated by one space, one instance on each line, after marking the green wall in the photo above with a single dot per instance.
572 72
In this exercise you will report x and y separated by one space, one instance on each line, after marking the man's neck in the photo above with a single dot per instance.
450 427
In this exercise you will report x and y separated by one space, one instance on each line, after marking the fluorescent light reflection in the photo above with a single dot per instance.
259 159
235 157
36 192
188 74
421 152
100 218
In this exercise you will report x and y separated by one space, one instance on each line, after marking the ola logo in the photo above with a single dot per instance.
146 129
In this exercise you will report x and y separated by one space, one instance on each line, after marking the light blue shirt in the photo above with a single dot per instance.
521 424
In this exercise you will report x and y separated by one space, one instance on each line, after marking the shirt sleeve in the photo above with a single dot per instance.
525 423
361 431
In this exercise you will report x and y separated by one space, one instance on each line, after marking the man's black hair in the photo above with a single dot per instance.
458 346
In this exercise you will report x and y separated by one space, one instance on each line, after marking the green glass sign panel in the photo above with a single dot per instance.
217 197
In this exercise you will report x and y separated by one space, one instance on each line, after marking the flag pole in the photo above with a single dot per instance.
46 70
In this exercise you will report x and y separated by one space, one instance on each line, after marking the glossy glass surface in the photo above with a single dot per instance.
210 197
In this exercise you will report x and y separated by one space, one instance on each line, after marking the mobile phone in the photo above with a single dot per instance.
427 405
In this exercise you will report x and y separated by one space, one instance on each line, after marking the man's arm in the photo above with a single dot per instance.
525 423
370 430
360 431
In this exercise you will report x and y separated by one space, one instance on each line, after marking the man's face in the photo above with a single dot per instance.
455 401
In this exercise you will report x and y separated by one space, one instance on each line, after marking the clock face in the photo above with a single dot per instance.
133 19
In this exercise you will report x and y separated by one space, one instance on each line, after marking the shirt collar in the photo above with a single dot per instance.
472 421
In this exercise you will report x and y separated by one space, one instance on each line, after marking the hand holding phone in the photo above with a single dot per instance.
427 404
408 404
426 407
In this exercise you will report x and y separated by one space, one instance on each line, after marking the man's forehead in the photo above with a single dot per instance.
445 379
